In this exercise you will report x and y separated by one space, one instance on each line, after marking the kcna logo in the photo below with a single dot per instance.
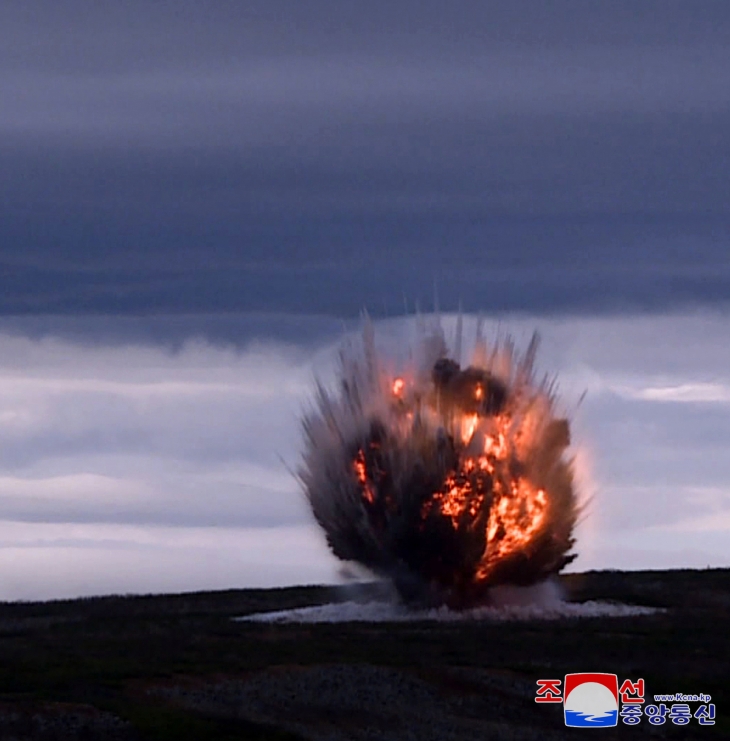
590 700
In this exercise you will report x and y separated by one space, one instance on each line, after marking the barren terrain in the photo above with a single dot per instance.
177 666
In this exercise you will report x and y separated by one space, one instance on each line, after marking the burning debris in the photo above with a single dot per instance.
447 480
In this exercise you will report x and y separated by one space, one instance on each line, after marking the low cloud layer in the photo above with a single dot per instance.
532 157
132 465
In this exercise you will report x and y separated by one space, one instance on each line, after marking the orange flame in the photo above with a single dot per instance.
361 473
518 509
468 424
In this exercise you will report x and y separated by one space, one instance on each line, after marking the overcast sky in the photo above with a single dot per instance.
198 199
319 156
129 465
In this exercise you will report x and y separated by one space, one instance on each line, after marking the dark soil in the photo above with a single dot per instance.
177 666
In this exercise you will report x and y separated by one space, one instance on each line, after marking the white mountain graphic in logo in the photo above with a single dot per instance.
591 705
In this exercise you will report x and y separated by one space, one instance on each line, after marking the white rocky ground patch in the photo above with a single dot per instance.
386 612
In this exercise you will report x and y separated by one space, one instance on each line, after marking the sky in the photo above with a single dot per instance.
198 200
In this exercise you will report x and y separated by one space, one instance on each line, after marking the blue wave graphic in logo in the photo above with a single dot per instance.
576 719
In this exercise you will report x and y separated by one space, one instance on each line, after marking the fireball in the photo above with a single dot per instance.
446 480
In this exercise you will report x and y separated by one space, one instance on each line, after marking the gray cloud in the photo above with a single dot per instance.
44 561
82 37
256 103
191 197
569 158
133 450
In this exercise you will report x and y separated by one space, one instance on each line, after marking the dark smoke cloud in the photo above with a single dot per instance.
446 480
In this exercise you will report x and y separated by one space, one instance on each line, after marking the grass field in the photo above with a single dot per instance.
177 666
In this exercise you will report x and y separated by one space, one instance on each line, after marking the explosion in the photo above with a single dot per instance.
447 480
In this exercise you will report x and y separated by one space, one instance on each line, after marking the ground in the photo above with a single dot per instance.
177 666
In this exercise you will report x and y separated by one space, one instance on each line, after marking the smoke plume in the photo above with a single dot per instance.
446 479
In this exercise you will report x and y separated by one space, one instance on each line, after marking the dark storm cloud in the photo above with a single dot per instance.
321 157
171 332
